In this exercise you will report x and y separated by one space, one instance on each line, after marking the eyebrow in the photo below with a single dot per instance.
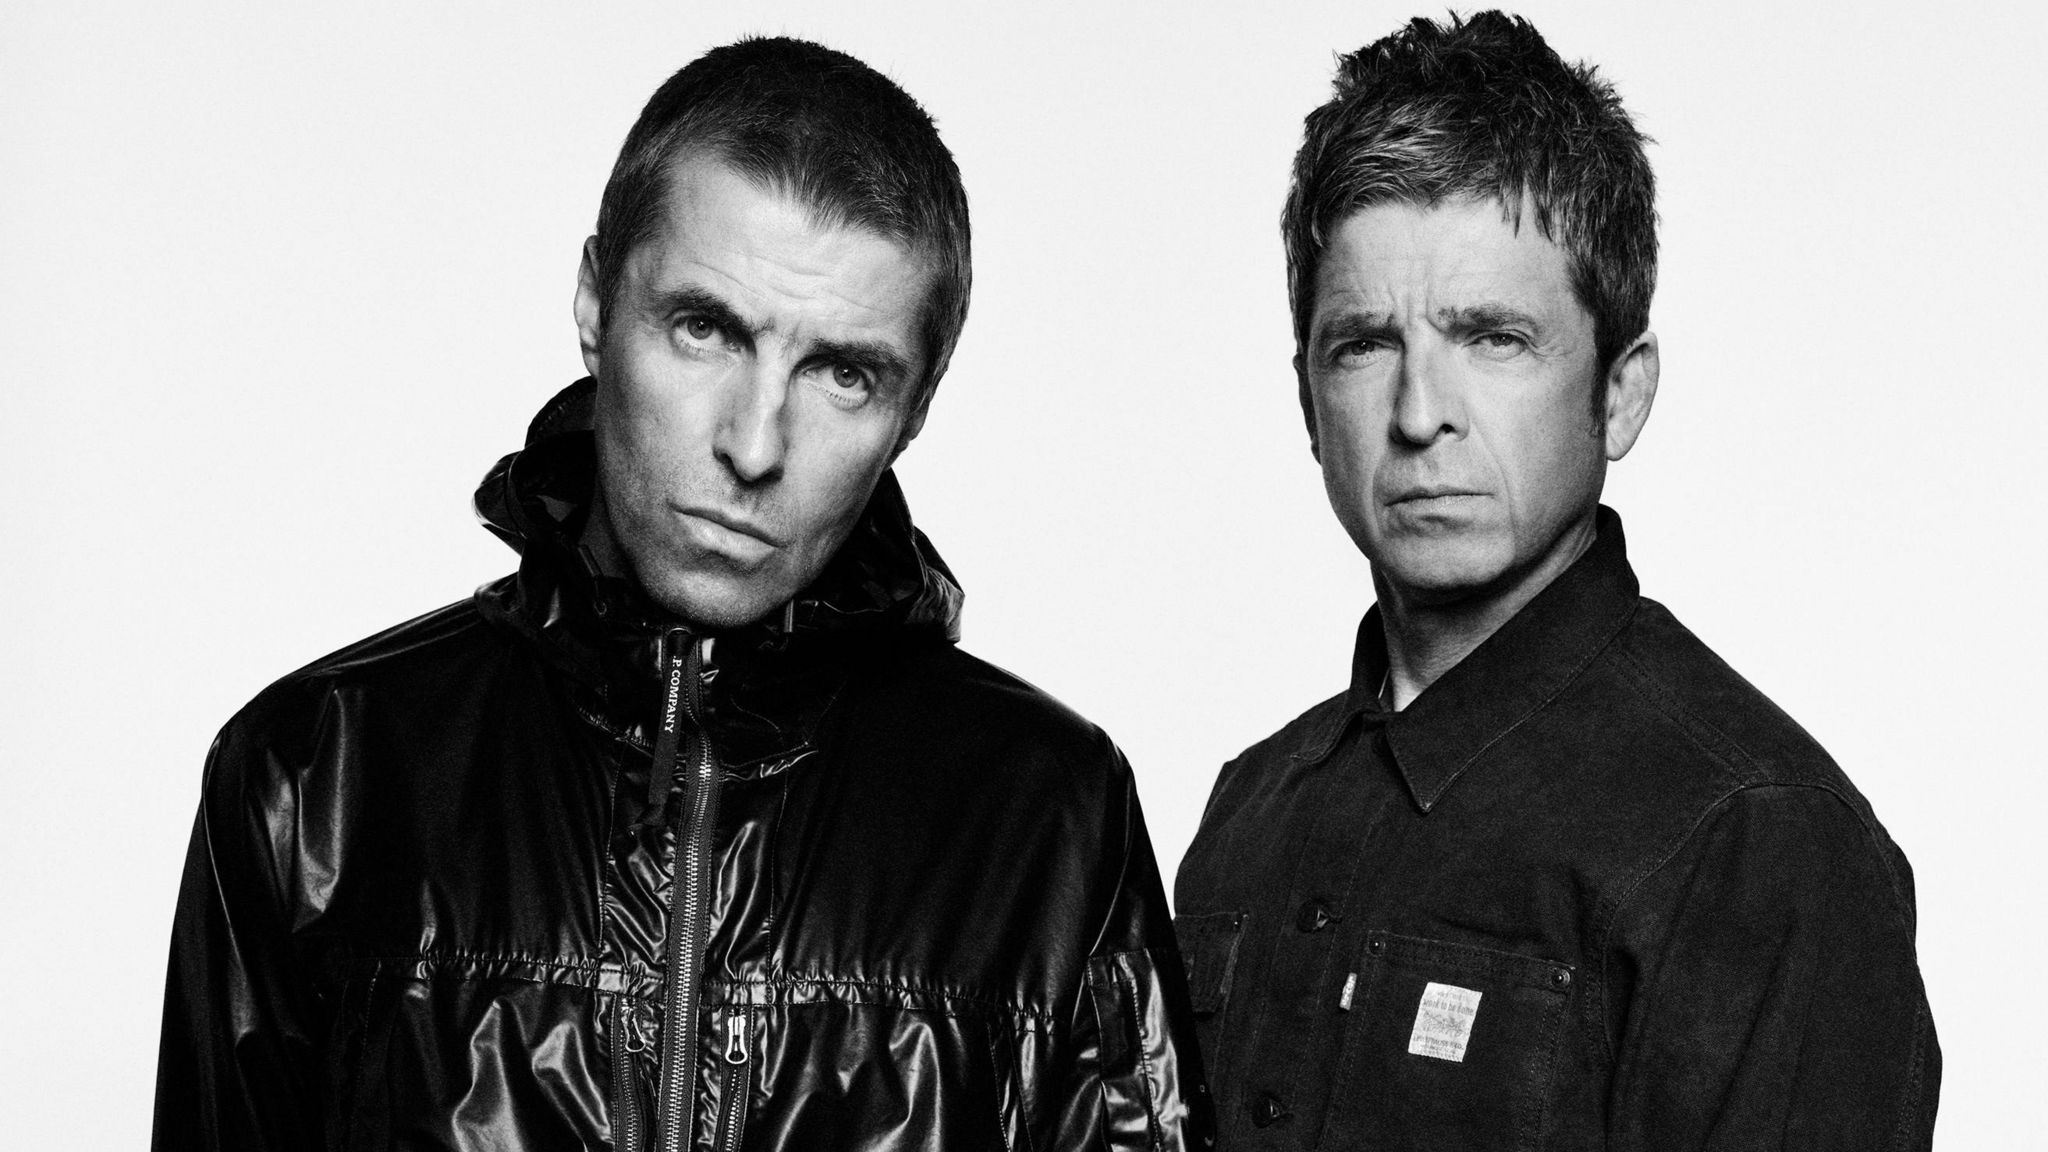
881 360
707 304
1356 325
1489 315
1485 316
884 361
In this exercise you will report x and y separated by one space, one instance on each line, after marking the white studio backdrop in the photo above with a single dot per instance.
281 282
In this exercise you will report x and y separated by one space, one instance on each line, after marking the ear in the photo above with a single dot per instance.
1308 408
1631 389
589 307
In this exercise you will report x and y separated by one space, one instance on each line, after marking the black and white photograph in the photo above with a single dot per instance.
902 576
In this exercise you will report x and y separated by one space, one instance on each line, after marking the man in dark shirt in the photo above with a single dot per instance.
1548 874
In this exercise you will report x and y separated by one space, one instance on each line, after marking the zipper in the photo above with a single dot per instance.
690 890
629 1126
732 1100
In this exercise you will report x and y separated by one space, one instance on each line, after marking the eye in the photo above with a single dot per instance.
1354 353
699 330
846 385
1501 345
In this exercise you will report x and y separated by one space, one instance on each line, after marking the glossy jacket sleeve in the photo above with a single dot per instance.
237 1066
1777 1002
1138 1082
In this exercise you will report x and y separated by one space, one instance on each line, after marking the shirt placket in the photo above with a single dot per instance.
1318 933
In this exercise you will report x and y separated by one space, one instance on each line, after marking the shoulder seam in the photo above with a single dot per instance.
1610 915
1723 749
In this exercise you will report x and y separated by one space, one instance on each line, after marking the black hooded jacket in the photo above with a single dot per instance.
437 896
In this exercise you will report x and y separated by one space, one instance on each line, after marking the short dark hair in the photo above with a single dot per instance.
1483 108
816 125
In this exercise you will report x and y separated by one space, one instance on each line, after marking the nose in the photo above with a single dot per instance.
751 441
1427 404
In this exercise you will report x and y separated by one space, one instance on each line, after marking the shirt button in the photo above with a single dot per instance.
1266 1110
1313 917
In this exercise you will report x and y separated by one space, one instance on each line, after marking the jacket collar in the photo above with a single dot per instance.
775 676
1511 676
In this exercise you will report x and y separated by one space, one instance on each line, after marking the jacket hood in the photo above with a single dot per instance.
604 630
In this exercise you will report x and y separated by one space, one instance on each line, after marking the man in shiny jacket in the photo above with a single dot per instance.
699 831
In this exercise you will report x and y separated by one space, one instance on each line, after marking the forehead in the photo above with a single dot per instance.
1454 253
759 247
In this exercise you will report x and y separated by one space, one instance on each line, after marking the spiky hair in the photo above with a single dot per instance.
1482 108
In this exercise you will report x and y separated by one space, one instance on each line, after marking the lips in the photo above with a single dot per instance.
731 539
1430 492
734 523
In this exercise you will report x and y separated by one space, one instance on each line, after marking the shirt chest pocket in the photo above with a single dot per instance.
1447 1046
1208 947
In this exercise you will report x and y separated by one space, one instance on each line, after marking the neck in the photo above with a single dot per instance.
1428 635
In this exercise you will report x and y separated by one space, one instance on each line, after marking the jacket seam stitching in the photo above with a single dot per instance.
605 864
1679 846
1724 750
1611 915
374 966
1749 771
1042 1020
1154 1130
1638 679
1045 1017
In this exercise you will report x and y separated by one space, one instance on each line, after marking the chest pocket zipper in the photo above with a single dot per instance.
739 1066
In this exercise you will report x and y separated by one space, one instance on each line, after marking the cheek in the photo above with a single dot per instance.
632 482
652 421
1548 458
1347 428
1351 454
627 440
833 479
1347 478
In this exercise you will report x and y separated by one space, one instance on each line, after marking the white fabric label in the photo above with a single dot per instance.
1443 1022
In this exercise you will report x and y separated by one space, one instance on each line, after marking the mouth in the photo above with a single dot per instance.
1430 492
721 527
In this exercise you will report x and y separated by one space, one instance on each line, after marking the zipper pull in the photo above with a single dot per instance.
735 1036
698 671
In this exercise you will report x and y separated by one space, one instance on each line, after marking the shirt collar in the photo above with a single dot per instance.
1511 676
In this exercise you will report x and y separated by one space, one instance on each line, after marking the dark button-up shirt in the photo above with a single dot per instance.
1590 889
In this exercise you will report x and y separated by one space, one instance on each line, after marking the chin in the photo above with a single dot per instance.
1440 571
714 603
